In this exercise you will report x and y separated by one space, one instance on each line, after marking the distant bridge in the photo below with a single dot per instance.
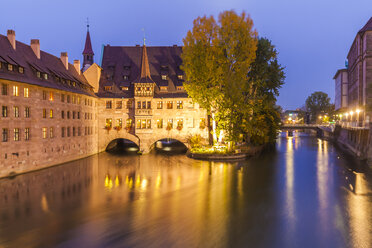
320 129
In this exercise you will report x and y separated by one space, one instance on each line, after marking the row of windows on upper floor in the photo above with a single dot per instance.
146 104
45 95
65 132
143 89
45 113
42 75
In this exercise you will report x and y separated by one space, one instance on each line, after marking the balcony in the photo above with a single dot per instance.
143 112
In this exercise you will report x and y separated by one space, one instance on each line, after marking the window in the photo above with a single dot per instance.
16 134
107 88
63 114
51 132
148 123
15 90
159 123
10 67
138 125
68 114
79 131
119 123
73 114
179 104
4 89
108 104
27 112
5 135
138 104
38 74
78 100
164 77
73 131
27 133
4 112
159 105
119 104
179 123
73 99
51 96
44 113
129 104
63 132
148 104
180 77
44 95
16 111
62 98
163 88
125 77
179 87
143 124
45 76
144 104
170 124
68 131
78 115
169 105
26 92
129 123
124 88
44 132
51 113
108 123
68 99
21 69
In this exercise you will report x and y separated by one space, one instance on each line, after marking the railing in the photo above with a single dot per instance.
354 124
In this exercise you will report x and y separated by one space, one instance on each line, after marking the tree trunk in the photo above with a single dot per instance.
210 136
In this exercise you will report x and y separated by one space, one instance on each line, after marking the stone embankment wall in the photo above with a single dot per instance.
354 141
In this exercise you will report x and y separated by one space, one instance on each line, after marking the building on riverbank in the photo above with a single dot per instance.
54 111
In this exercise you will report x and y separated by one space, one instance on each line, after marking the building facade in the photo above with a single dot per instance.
341 90
54 111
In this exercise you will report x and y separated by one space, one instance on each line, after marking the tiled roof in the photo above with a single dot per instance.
120 61
25 57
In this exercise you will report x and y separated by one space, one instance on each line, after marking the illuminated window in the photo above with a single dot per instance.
159 104
108 88
73 99
163 88
170 124
123 88
143 126
16 134
45 76
20 69
138 125
51 132
51 96
109 123
180 77
180 123
38 74
125 77
119 122
164 77
16 111
15 90
51 113
159 123
169 105
27 133
26 92
148 124
45 134
129 104
179 104
10 67
78 100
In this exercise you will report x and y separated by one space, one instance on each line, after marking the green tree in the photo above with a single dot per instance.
318 103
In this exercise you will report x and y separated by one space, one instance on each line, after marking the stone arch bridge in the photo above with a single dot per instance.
321 130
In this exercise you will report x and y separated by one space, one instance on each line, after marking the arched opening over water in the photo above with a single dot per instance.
122 146
169 146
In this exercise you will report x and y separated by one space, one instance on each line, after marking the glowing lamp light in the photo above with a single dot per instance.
320 117
351 112
347 114
358 111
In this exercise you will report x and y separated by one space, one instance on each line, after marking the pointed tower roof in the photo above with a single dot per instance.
88 45
145 76
367 27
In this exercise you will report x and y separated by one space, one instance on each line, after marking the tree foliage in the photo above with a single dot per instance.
235 75
318 103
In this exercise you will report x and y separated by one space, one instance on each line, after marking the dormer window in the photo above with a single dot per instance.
20 69
45 76
10 67
74 84
164 77
125 77
38 74
124 88
180 77
108 88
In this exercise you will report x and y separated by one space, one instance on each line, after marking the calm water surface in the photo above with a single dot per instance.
304 194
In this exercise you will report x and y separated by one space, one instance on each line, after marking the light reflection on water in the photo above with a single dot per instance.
297 196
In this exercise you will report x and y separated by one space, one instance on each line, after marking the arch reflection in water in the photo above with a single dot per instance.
169 146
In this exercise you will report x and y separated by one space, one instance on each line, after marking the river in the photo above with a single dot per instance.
306 193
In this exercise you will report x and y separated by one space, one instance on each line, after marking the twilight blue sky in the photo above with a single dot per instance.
312 36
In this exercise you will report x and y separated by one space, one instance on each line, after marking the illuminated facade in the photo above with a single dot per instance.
53 111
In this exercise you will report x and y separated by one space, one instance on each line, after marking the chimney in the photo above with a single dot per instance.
11 38
35 45
77 65
64 59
